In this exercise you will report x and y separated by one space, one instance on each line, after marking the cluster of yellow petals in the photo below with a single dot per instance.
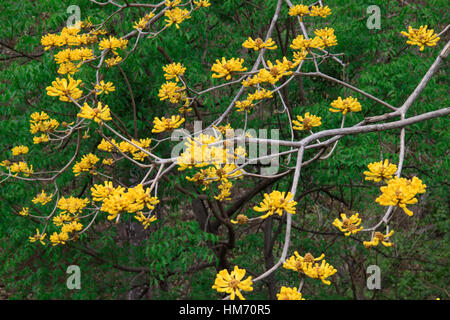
42 198
163 124
310 266
142 23
346 105
145 220
120 200
302 10
249 102
103 87
348 225
38 237
232 283
99 114
171 91
87 164
112 43
176 16
421 37
380 171
174 71
307 122
72 204
65 88
401 192
18 167
259 44
18 150
276 202
379 238
287 293
225 68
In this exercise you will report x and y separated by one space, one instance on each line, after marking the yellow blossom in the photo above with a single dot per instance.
318 11
145 220
401 192
38 237
18 150
171 91
42 198
319 271
299 10
259 44
25 211
202 3
307 122
348 225
296 262
225 68
99 114
86 164
349 104
104 87
276 202
289 294
421 37
325 38
59 238
63 88
380 171
163 124
173 71
379 237
233 283
176 16
72 205
21 167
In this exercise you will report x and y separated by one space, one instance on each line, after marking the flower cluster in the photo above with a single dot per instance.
249 102
346 105
168 124
42 198
176 16
232 283
401 192
421 37
99 114
259 44
87 164
307 122
276 202
308 265
348 225
380 171
379 238
225 68
65 88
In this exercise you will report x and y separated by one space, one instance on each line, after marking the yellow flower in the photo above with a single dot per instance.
289 294
276 202
163 124
64 88
38 237
320 11
145 220
18 150
99 114
108 162
380 171
42 138
142 24
21 166
68 68
25 211
421 37
348 225
240 219
59 238
49 40
379 237
400 192
245 105
346 105
101 192
225 67
113 44
306 123
300 43
171 91
104 87
72 205
296 262
325 38
113 61
173 70
225 193
233 283
42 198
176 16
259 44
322 271
299 56
172 3
71 227
299 10
107 146
202 3
86 164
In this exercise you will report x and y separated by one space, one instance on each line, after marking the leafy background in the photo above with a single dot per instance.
379 63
